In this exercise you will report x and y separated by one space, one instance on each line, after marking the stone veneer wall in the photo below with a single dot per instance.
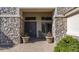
60 22
60 28
63 10
9 26
8 11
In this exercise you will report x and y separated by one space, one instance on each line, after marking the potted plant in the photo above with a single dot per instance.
25 38
49 37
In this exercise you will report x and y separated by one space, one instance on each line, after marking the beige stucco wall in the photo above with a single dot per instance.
37 14
73 25
21 23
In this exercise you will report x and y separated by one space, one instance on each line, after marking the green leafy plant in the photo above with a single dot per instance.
25 34
67 44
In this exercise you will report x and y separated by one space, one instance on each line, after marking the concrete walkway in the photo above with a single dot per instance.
39 46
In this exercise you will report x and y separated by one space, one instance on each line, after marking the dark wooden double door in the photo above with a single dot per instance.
30 28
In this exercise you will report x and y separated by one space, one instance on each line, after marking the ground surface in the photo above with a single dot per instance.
39 46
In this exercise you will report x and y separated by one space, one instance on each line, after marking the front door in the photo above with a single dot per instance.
30 28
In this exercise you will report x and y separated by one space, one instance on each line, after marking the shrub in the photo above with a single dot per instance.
25 34
67 44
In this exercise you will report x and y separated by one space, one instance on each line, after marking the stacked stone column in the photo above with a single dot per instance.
59 25
9 26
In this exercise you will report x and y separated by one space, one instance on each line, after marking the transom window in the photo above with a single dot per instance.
46 18
30 18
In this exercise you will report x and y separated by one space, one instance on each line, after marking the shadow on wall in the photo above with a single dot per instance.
5 41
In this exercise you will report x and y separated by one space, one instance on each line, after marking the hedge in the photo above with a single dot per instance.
67 44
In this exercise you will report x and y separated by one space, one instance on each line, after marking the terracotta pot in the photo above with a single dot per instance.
49 39
25 39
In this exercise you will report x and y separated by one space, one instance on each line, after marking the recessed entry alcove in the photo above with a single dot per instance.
37 22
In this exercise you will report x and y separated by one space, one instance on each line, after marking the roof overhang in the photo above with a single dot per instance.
72 12
37 9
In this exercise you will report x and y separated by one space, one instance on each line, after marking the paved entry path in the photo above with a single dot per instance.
39 46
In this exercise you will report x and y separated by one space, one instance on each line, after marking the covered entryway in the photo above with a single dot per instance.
36 22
